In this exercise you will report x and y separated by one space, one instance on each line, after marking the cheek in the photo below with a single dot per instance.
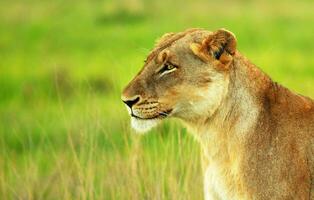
169 82
170 96
209 98
196 100
180 97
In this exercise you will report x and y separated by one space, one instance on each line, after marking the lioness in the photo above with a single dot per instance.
256 136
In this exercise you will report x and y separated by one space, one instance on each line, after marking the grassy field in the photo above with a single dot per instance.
64 133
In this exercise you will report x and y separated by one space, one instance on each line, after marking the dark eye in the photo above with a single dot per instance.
167 68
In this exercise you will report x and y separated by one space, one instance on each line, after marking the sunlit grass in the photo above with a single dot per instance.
64 134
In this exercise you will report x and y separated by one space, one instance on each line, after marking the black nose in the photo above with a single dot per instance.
130 103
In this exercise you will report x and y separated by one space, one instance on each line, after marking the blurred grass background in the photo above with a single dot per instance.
64 134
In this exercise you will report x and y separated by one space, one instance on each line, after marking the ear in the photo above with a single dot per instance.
219 46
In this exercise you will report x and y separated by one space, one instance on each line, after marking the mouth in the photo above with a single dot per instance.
160 115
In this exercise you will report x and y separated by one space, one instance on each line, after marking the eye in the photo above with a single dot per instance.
167 68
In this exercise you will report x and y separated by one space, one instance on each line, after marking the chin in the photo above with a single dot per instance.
142 126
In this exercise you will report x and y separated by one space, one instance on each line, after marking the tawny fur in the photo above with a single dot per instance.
256 136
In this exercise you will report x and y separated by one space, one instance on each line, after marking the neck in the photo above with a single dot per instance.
239 111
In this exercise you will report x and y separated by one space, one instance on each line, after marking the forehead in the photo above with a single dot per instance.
177 40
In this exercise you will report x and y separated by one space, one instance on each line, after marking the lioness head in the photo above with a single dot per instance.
185 76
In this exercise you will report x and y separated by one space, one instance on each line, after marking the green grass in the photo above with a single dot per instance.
64 133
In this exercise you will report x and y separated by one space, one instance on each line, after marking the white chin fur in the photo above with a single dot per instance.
142 126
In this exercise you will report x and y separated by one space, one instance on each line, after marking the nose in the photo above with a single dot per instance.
132 101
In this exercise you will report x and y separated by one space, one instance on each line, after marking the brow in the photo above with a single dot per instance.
167 43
